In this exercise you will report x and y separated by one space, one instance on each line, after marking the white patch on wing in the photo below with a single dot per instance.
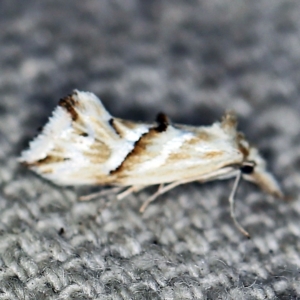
168 142
57 127
122 147
92 107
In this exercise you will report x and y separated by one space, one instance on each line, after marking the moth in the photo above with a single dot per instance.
82 144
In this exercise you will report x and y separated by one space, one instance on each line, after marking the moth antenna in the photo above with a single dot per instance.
231 202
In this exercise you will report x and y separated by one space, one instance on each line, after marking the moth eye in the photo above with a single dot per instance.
247 169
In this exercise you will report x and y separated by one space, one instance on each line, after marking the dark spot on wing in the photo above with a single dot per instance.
163 122
113 125
84 134
49 159
61 231
68 103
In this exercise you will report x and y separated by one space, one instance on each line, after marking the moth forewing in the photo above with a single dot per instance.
179 153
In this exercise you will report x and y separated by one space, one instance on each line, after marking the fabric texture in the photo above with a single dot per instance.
192 60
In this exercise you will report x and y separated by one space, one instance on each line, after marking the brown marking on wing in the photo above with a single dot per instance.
121 127
79 127
163 122
139 149
177 156
68 103
125 123
243 148
49 159
46 170
199 136
213 154
244 151
98 153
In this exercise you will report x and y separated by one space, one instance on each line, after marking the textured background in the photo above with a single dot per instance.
192 60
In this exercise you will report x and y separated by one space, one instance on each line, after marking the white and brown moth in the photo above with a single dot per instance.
82 144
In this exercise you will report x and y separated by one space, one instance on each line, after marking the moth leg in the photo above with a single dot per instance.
152 198
100 193
161 190
132 189
231 202
124 194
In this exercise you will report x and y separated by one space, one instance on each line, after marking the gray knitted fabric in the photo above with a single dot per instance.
193 60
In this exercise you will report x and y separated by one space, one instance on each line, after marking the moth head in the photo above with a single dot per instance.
254 169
